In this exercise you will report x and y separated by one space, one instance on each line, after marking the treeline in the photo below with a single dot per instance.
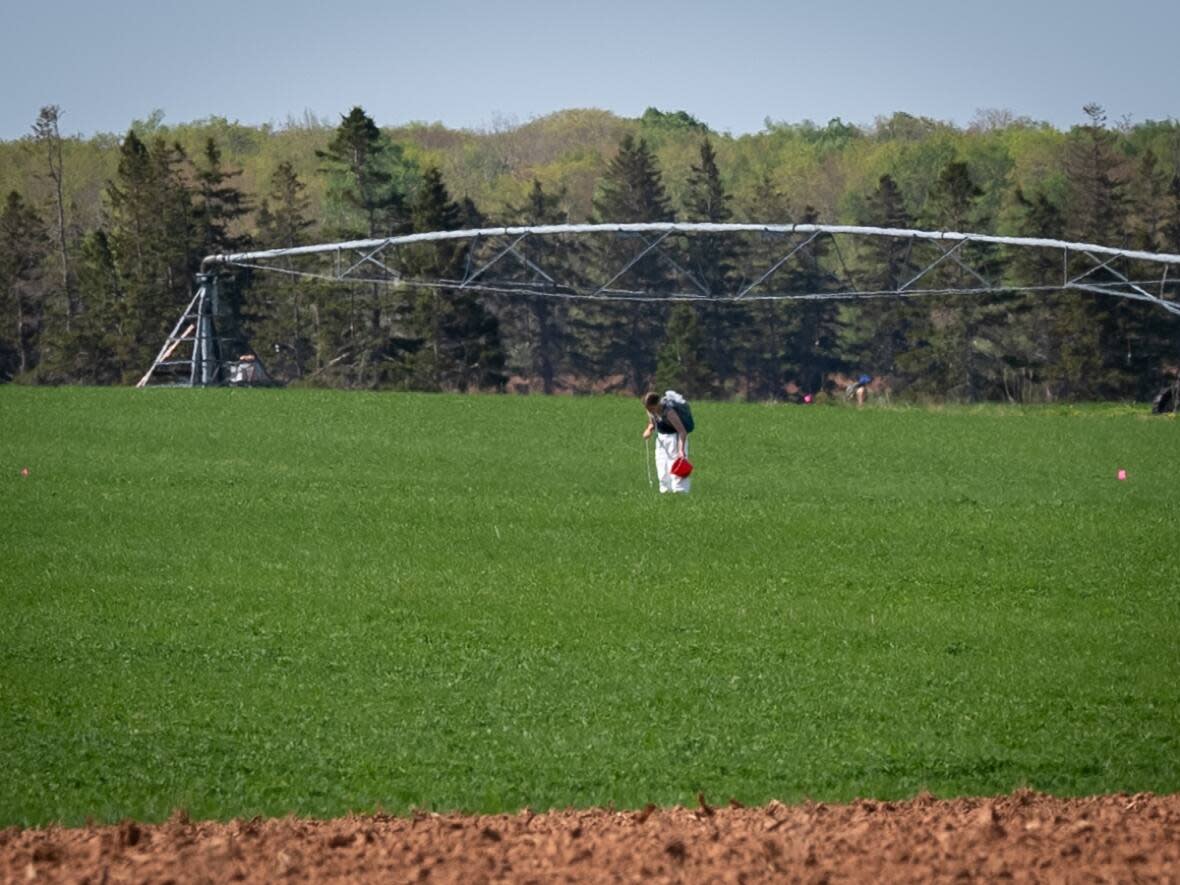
100 240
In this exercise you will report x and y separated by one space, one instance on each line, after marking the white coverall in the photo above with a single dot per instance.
667 451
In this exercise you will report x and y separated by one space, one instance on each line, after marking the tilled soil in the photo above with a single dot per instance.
1023 837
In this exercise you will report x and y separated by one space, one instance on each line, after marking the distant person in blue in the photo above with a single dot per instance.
858 389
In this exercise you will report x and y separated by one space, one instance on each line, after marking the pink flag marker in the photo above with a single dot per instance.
1122 474
24 471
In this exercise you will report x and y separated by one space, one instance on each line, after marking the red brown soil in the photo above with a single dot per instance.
1022 837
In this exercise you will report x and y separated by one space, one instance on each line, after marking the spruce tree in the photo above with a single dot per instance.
1148 202
632 190
761 342
618 337
219 205
710 257
24 244
1096 170
1033 346
875 331
367 176
712 260
956 340
454 341
99 348
1099 349
812 327
152 240
682 363
1170 227
47 135
1148 339
537 329
285 315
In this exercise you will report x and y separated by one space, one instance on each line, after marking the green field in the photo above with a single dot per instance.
258 602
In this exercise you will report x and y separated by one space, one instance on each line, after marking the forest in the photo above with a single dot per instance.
101 238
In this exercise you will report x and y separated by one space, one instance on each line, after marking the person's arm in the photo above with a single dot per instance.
681 434
651 425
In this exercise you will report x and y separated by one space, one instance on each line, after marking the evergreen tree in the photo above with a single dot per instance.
618 337
538 330
1039 217
367 177
100 348
1032 344
24 244
286 314
454 341
711 257
151 238
219 206
1170 228
876 331
955 341
1099 347
1096 171
712 260
812 326
760 342
47 135
1148 339
632 190
1149 203
283 217
218 209
682 363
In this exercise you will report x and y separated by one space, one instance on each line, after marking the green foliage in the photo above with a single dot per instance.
368 179
98 348
631 190
24 243
220 207
877 331
454 341
168 194
657 122
285 318
538 327
413 601
152 238
682 363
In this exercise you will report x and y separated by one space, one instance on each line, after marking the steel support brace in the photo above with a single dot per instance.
774 267
634 261
510 248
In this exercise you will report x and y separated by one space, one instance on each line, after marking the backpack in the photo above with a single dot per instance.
679 404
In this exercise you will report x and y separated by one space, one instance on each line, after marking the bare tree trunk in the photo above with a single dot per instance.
319 344
47 132
22 351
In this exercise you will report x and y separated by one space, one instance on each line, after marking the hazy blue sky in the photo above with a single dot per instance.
470 64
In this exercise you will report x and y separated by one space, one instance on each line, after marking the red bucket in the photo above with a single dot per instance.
681 467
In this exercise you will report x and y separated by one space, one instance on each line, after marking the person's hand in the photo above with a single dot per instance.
647 431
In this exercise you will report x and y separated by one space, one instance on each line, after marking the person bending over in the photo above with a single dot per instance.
671 441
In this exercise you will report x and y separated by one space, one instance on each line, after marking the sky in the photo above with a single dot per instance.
484 65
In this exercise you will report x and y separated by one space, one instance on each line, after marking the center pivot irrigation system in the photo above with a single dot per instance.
606 262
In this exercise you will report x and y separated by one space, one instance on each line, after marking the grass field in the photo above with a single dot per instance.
260 602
